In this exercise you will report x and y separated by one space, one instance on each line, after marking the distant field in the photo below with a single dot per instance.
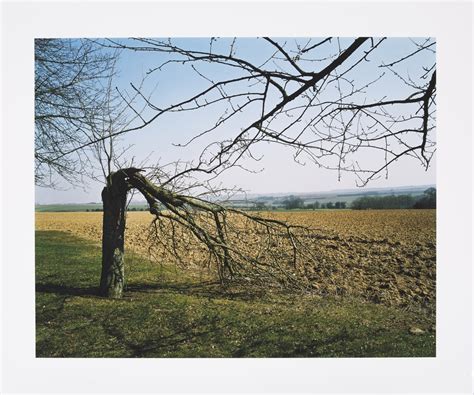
67 207
70 207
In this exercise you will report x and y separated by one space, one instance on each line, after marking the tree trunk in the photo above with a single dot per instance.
114 198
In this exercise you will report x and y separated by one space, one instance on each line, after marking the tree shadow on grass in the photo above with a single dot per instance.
206 289
160 346
303 348
67 290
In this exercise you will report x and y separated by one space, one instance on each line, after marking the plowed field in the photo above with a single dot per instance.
385 257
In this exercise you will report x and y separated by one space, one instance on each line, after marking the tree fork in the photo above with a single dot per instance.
114 198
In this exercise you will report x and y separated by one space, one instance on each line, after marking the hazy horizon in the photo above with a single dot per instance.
140 199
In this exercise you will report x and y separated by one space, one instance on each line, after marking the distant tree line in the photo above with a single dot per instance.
129 209
294 202
329 205
426 201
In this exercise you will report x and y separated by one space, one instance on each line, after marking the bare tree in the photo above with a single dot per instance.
330 100
307 95
69 94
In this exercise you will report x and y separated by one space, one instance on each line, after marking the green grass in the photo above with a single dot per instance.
166 312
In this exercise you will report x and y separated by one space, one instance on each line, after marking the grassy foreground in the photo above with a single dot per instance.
170 313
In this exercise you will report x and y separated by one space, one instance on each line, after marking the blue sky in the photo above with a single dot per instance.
277 171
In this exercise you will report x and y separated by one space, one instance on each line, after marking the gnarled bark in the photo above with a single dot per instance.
114 197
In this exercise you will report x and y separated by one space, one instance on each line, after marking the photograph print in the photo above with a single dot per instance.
229 197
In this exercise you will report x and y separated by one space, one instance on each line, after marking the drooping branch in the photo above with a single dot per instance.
236 245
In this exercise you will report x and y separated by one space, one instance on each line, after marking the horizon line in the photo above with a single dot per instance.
279 193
